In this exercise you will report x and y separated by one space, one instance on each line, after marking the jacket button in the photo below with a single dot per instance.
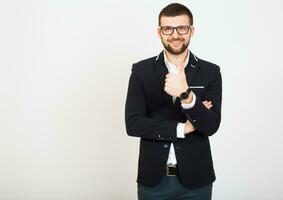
165 146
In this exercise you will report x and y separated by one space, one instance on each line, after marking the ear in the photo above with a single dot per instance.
192 31
159 32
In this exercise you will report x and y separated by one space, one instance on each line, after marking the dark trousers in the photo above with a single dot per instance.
170 188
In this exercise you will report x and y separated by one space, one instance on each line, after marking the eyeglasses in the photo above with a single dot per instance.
169 30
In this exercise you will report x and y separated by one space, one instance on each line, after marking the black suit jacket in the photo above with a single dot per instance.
151 115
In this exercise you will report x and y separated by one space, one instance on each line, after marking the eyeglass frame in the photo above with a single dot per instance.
176 27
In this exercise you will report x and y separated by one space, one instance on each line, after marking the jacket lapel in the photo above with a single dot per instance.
191 68
162 70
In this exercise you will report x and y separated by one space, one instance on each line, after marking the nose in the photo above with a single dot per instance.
175 34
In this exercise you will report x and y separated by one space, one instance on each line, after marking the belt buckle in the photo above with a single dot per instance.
168 169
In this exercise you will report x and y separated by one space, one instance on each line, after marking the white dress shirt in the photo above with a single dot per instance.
181 126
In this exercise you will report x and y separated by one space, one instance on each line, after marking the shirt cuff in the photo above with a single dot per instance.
181 130
189 105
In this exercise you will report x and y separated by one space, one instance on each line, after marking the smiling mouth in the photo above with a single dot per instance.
176 43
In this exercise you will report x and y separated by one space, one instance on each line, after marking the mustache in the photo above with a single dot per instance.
177 40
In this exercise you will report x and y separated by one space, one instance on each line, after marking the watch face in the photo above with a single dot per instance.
184 95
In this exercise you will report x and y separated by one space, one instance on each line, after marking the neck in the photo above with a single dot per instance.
177 60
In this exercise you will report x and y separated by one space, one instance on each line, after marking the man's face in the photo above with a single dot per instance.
175 43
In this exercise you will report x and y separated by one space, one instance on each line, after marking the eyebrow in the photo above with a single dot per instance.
177 25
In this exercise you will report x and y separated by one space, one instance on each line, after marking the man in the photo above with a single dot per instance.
174 104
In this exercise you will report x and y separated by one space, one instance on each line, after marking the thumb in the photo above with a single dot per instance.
182 69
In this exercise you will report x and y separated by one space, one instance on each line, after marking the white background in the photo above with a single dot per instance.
64 70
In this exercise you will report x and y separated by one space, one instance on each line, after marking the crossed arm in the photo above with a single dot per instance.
204 116
189 128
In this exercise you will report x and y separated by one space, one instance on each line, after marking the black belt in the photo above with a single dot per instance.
171 170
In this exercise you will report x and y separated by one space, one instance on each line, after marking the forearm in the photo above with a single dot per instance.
138 123
206 121
144 127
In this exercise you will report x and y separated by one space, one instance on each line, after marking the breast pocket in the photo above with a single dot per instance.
199 90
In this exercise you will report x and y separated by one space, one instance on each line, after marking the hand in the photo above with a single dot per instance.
207 104
175 84
189 128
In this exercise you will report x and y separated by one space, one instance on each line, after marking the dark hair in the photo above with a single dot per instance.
175 9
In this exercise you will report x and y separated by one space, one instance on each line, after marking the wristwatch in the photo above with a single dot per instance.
185 95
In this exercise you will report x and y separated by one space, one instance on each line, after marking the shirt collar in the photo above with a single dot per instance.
172 66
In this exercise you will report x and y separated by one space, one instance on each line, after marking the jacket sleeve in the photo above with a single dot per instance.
207 121
138 122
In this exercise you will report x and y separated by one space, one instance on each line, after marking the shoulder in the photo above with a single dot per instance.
208 71
144 64
147 61
208 66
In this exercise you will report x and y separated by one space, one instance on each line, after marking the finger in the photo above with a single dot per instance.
208 103
204 103
182 72
167 78
165 89
208 106
182 67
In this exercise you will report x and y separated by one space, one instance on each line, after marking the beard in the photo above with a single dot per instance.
179 51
